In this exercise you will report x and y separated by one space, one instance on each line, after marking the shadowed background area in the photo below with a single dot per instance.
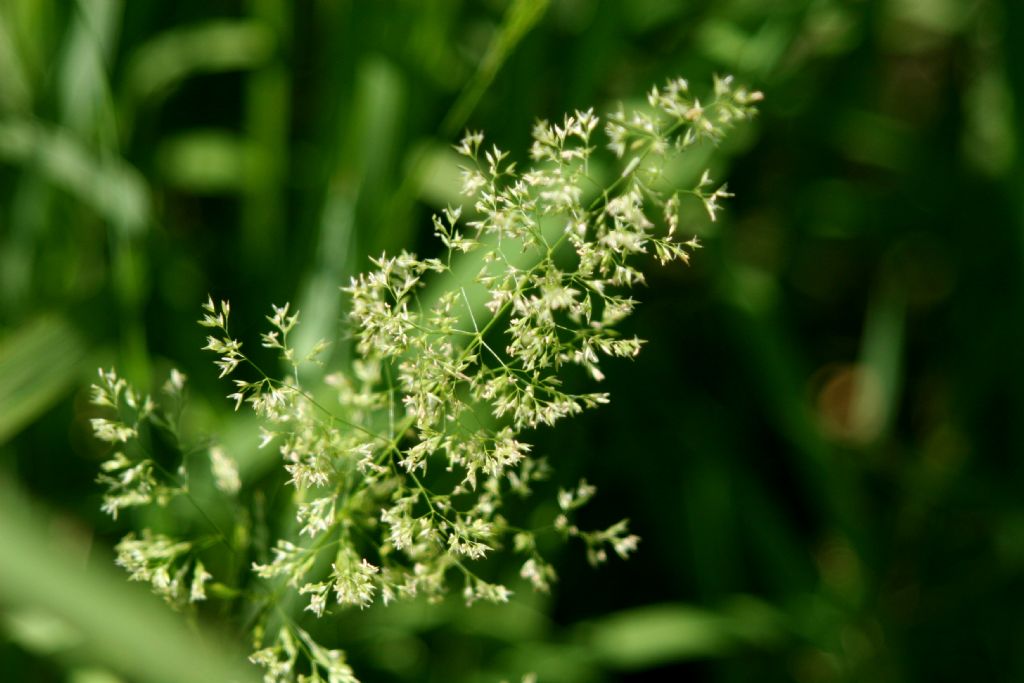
820 444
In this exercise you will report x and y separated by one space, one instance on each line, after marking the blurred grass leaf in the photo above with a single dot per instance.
39 630
92 675
15 86
210 161
881 356
38 363
520 17
659 634
439 172
120 627
84 92
215 46
111 186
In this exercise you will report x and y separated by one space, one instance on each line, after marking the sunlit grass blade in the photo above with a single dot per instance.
110 186
659 634
214 46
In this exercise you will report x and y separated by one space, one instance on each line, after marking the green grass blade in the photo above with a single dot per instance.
267 118
38 363
654 635
210 161
111 186
84 96
520 18
120 625
215 46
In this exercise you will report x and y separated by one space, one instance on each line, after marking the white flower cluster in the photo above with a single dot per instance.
401 478
128 475
133 478
279 660
165 564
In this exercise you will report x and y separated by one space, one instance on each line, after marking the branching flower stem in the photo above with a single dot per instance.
405 480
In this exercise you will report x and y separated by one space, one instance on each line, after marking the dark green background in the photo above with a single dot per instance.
820 445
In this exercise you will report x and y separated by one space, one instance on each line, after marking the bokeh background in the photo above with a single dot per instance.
821 445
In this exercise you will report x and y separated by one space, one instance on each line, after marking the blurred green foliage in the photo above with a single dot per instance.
821 444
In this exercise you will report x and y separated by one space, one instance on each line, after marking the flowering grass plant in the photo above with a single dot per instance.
404 466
